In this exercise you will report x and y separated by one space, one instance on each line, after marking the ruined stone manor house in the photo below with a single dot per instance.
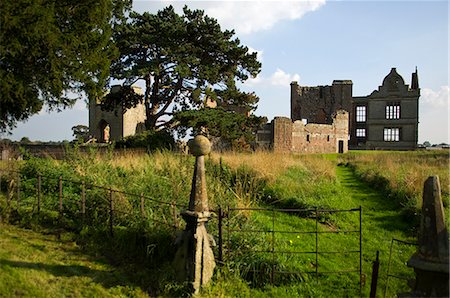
324 119
327 119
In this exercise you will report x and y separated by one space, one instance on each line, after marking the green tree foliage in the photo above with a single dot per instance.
182 58
150 139
50 47
81 133
228 125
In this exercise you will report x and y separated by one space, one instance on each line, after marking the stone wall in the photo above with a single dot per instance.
121 124
318 104
393 90
288 136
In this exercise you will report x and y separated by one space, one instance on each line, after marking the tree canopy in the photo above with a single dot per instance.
51 47
183 60
230 126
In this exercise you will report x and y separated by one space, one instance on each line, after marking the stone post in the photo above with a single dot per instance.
194 261
431 260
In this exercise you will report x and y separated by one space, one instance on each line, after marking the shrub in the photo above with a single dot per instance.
150 140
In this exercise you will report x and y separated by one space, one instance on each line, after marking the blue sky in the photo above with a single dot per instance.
314 43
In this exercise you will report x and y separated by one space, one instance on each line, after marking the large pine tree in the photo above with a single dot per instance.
50 47
183 59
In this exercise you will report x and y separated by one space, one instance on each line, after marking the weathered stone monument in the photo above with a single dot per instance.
194 260
431 261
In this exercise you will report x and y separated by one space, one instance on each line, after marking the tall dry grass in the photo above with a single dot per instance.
270 165
404 173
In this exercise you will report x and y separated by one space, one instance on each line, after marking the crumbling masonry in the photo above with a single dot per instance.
386 119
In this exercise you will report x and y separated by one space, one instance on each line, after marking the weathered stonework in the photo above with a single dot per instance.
117 124
284 135
431 260
393 91
377 129
318 104
194 260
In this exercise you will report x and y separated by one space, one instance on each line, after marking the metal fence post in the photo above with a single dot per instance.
388 268
174 214
142 205
18 189
375 267
360 252
39 194
111 212
273 247
60 197
317 245
8 189
228 231
83 200
220 236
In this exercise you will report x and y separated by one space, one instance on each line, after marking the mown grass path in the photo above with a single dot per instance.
381 221
38 265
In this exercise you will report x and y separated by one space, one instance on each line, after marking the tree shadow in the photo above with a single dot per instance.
107 278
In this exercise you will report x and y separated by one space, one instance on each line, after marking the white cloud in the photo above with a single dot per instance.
251 16
244 17
434 112
259 53
254 81
435 99
280 78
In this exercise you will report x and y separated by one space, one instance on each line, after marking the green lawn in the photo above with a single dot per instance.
38 265
381 221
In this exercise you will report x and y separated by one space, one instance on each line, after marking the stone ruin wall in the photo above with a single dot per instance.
134 120
283 135
312 103
318 104
121 123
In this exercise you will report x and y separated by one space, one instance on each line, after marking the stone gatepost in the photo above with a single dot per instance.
431 260
194 260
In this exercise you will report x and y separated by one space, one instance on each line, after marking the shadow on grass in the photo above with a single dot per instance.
385 212
106 278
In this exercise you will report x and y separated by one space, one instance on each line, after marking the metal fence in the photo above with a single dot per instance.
227 227
404 273
87 202
84 202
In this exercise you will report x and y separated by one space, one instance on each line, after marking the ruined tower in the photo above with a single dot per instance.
107 126
318 104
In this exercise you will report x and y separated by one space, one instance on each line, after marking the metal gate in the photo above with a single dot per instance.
276 245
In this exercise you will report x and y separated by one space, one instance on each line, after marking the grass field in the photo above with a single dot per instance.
269 180
37 265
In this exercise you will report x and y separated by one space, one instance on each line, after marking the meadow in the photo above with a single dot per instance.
386 186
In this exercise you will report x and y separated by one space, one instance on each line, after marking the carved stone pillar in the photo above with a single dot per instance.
431 260
194 260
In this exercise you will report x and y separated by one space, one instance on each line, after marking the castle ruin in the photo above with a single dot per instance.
107 126
386 119
285 135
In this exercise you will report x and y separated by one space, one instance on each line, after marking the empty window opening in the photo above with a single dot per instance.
307 138
328 138
393 110
361 132
361 114
105 131
392 134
